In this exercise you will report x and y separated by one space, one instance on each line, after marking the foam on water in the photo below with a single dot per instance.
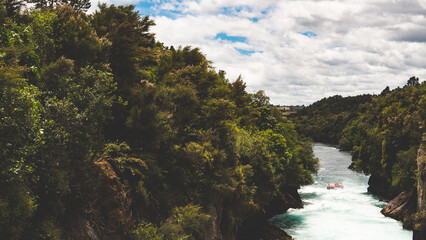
340 214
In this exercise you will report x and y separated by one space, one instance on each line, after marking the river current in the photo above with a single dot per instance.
341 214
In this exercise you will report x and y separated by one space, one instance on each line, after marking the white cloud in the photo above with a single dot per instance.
361 46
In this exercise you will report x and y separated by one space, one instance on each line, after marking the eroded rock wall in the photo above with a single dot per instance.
258 227
109 216
419 219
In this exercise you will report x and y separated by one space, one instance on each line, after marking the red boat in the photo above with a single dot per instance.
334 185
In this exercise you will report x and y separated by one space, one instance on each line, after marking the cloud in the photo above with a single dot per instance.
300 51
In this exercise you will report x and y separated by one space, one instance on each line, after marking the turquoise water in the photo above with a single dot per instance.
341 214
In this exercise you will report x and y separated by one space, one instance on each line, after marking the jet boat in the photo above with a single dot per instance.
334 185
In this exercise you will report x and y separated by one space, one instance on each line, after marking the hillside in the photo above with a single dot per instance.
324 120
109 134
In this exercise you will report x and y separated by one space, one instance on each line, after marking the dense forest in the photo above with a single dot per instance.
383 133
324 120
104 129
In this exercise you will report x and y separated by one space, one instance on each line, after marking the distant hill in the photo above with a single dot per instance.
324 120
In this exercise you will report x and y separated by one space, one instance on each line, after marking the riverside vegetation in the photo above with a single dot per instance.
384 133
106 133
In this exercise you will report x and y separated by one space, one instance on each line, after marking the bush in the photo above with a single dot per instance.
146 231
185 223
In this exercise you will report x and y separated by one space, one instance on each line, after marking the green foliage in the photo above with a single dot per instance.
130 167
13 7
129 38
146 231
76 38
184 136
388 135
419 220
185 223
21 131
78 5
404 170
43 26
324 121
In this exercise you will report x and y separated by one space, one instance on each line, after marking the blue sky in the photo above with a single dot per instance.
300 51
225 37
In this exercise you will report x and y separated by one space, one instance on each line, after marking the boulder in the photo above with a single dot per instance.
379 186
402 207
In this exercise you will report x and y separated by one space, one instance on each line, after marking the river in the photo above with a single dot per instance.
341 214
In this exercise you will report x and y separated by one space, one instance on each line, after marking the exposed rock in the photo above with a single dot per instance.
419 219
283 201
273 232
81 228
410 207
379 186
109 216
401 208
421 169
212 228
258 227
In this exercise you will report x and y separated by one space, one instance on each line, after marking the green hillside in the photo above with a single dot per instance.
106 131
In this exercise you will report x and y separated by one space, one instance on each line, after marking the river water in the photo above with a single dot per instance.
341 214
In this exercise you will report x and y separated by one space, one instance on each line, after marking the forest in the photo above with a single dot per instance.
383 131
105 131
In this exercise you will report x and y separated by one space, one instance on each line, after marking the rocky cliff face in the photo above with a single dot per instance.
419 219
378 185
421 168
212 228
109 216
401 208
410 206
257 227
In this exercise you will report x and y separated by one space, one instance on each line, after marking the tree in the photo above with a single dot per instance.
260 99
385 91
129 36
185 223
20 131
43 30
76 38
41 4
13 7
78 5
413 81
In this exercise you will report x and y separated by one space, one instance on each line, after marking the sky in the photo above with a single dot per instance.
299 52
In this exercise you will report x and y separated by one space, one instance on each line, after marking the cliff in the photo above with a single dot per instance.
110 216
401 208
419 219
410 206
379 186
258 227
